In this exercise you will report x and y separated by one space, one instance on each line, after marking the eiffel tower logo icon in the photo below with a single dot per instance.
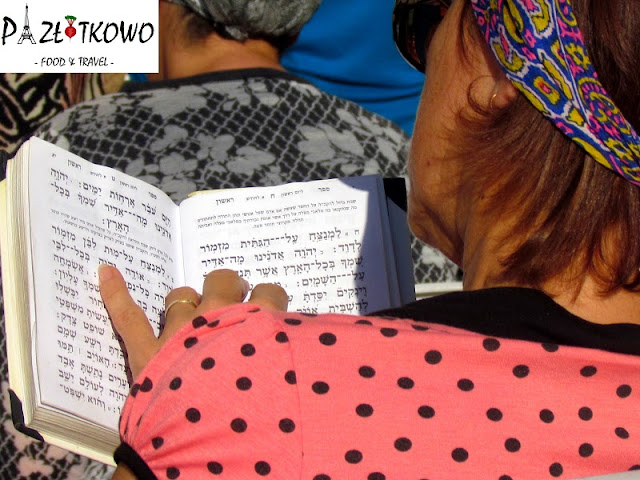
26 31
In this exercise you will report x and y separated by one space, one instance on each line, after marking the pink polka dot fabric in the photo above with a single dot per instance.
248 393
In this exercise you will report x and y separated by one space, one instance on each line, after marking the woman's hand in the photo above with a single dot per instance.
221 288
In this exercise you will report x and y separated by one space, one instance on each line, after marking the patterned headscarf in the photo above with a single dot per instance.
242 19
542 51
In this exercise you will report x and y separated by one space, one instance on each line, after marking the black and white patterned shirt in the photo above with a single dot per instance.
235 129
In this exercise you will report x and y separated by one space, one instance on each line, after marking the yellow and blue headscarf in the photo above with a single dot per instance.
542 52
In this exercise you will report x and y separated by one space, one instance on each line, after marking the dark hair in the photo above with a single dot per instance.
576 217
198 28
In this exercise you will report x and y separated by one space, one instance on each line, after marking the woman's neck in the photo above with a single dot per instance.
483 253
215 54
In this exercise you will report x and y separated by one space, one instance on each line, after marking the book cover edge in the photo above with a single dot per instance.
17 417
396 190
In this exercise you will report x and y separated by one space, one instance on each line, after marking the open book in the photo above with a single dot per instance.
338 245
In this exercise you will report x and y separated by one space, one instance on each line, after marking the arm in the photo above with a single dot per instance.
123 473
221 288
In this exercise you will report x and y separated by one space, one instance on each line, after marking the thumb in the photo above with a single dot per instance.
128 318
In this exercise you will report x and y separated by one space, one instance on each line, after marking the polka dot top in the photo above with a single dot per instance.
246 393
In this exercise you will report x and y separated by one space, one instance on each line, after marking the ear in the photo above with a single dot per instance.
504 93
500 89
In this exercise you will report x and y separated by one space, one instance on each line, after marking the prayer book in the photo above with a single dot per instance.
335 245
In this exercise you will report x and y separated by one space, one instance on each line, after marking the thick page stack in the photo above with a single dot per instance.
335 245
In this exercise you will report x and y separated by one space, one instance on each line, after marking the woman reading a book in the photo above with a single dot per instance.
525 170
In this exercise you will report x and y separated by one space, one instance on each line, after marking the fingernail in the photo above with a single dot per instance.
245 290
105 273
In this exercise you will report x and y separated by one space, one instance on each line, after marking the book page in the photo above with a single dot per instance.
321 241
83 215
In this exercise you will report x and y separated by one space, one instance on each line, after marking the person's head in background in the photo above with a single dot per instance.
509 174
200 36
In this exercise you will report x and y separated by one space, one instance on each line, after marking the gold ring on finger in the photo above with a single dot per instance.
175 302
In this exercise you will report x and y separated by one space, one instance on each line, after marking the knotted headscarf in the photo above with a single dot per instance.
541 50
243 19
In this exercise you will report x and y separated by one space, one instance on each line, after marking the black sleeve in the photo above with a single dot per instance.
127 456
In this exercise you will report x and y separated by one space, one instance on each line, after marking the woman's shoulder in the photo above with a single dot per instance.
366 390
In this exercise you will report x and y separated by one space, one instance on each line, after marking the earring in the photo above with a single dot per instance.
493 97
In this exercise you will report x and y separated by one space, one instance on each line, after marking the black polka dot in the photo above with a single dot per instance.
585 413
263 469
623 391
622 433
199 322
353 456
254 310
588 371
402 444
281 337
238 425
320 388
157 442
290 377
193 415
292 321
147 385
322 476
460 455
388 332
215 468
247 350
491 344
208 363
465 385
585 450
512 445
213 324
634 467
190 342
546 416
364 410
433 357
494 414
505 477
328 339
425 411
521 371
556 470
243 383
419 328
376 476
405 383
550 347
307 314
172 473
363 322
134 389
366 371
176 383
287 425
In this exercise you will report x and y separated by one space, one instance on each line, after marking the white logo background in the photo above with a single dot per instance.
54 51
